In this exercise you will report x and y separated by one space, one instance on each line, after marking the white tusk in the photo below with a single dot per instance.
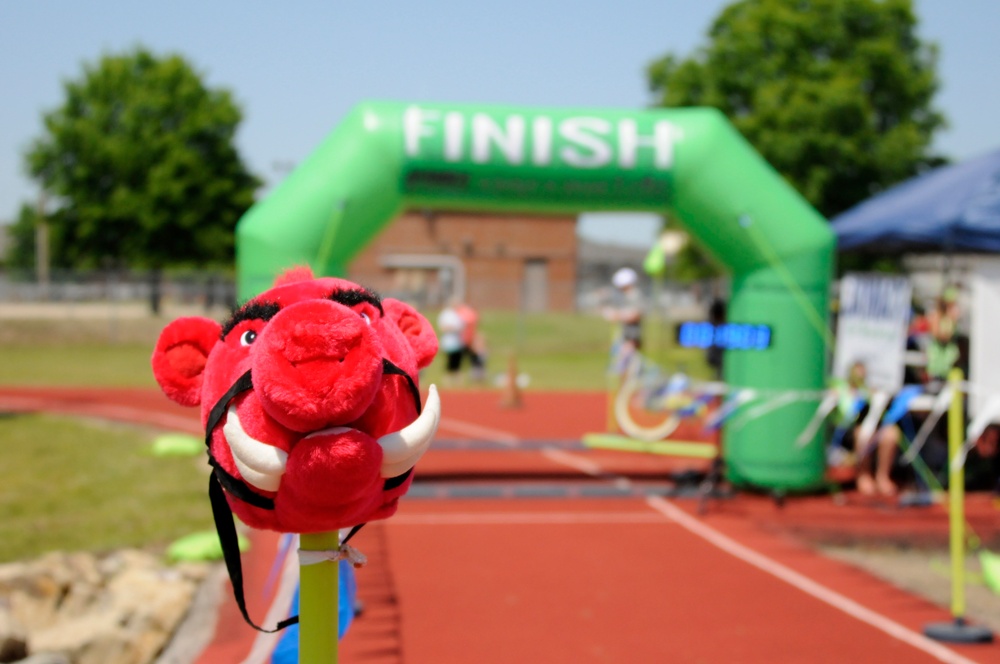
260 464
401 450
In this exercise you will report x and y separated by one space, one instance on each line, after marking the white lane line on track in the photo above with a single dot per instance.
22 403
165 420
586 466
103 411
693 525
478 432
805 584
265 642
575 461
523 518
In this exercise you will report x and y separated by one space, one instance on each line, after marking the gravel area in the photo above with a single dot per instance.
926 573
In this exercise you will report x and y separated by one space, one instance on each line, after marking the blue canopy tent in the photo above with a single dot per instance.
953 208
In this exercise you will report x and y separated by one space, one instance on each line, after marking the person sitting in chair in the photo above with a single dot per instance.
874 454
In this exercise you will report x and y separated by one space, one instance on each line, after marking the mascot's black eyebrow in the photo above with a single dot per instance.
352 296
253 310
265 310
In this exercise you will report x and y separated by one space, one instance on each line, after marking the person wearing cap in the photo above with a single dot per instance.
942 348
627 312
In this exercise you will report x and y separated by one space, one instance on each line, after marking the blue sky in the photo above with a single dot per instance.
297 67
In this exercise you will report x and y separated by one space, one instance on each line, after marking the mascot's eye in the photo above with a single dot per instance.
368 321
248 338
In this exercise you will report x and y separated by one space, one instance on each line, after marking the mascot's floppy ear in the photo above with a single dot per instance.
180 355
417 330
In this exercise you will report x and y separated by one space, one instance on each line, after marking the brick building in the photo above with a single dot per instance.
499 261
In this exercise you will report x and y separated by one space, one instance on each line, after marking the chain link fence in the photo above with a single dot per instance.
209 289
131 293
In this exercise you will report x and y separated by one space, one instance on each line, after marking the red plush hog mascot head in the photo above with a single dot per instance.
309 398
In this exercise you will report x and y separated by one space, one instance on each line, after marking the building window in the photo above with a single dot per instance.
536 285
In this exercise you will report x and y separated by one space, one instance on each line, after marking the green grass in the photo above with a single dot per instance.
75 484
557 351
78 352
71 484
566 351
77 364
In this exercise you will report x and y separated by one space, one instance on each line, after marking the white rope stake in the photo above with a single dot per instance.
937 410
825 408
345 552
876 406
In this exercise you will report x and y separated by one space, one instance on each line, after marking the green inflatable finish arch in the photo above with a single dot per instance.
386 157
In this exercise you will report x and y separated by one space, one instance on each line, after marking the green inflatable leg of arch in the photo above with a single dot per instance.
386 157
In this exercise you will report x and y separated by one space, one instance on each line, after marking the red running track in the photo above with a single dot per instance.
595 580
627 581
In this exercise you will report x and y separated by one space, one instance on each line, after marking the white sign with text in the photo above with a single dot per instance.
872 323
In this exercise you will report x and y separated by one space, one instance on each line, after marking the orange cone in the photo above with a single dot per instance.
511 390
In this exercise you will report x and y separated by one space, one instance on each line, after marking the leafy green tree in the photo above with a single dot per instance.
691 263
835 94
141 164
21 235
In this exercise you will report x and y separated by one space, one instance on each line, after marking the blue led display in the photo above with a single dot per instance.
729 336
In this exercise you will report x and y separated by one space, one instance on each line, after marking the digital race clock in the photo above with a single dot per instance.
728 336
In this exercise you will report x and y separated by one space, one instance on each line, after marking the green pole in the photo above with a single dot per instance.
956 496
318 590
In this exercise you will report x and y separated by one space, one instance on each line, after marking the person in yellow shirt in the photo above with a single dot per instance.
942 346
